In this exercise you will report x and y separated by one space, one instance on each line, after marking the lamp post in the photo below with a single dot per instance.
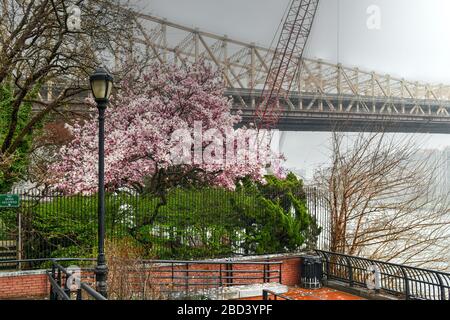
101 86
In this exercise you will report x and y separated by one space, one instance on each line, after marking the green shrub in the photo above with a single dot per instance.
8 223
194 224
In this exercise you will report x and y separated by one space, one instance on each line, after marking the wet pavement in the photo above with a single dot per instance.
315 294
320 294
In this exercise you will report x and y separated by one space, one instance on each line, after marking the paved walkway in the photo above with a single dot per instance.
320 294
316 294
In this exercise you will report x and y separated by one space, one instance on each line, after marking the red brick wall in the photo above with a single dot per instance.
290 269
25 285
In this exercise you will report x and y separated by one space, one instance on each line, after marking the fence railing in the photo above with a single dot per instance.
155 279
173 279
318 204
270 295
405 282
197 224
71 283
67 284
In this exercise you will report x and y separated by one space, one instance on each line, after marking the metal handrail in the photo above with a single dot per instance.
224 276
59 289
267 293
19 262
411 283
176 277
45 260
213 262
55 289
170 273
94 294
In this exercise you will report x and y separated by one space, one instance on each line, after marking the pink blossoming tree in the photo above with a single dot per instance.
143 125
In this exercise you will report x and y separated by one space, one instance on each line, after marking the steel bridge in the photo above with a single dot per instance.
326 96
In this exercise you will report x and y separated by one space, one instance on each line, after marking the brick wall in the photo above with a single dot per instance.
290 269
16 285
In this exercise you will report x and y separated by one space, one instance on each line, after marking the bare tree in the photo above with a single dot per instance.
384 201
45 59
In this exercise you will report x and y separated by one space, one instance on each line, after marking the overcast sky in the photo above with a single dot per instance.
413 42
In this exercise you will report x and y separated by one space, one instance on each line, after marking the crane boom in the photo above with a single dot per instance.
291 45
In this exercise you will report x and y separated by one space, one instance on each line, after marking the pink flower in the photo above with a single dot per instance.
139 125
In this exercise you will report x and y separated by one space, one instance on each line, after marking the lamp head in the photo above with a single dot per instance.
101 85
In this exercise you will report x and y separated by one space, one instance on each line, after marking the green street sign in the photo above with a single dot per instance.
9 201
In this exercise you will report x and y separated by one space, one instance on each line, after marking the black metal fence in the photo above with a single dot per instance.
319 207
175 279
67 284
405 282
270 295
157 279
193 225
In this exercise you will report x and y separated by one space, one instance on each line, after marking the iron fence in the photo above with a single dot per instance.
210 223
175 279
270 295
318 204
68 284
79 273
74 278
405 282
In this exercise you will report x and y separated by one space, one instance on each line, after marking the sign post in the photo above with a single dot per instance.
13 201
9 201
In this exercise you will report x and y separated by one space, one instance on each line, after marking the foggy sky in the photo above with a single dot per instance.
413 43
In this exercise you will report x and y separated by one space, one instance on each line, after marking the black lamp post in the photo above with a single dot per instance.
101 86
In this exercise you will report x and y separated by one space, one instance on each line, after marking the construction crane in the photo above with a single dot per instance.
291 45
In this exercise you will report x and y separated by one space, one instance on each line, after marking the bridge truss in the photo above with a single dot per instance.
325 96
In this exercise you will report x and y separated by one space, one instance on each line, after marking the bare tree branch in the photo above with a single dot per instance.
384 200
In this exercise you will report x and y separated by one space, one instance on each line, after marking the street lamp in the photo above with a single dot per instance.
101 86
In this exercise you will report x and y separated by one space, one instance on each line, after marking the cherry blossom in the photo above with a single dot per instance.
140 124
